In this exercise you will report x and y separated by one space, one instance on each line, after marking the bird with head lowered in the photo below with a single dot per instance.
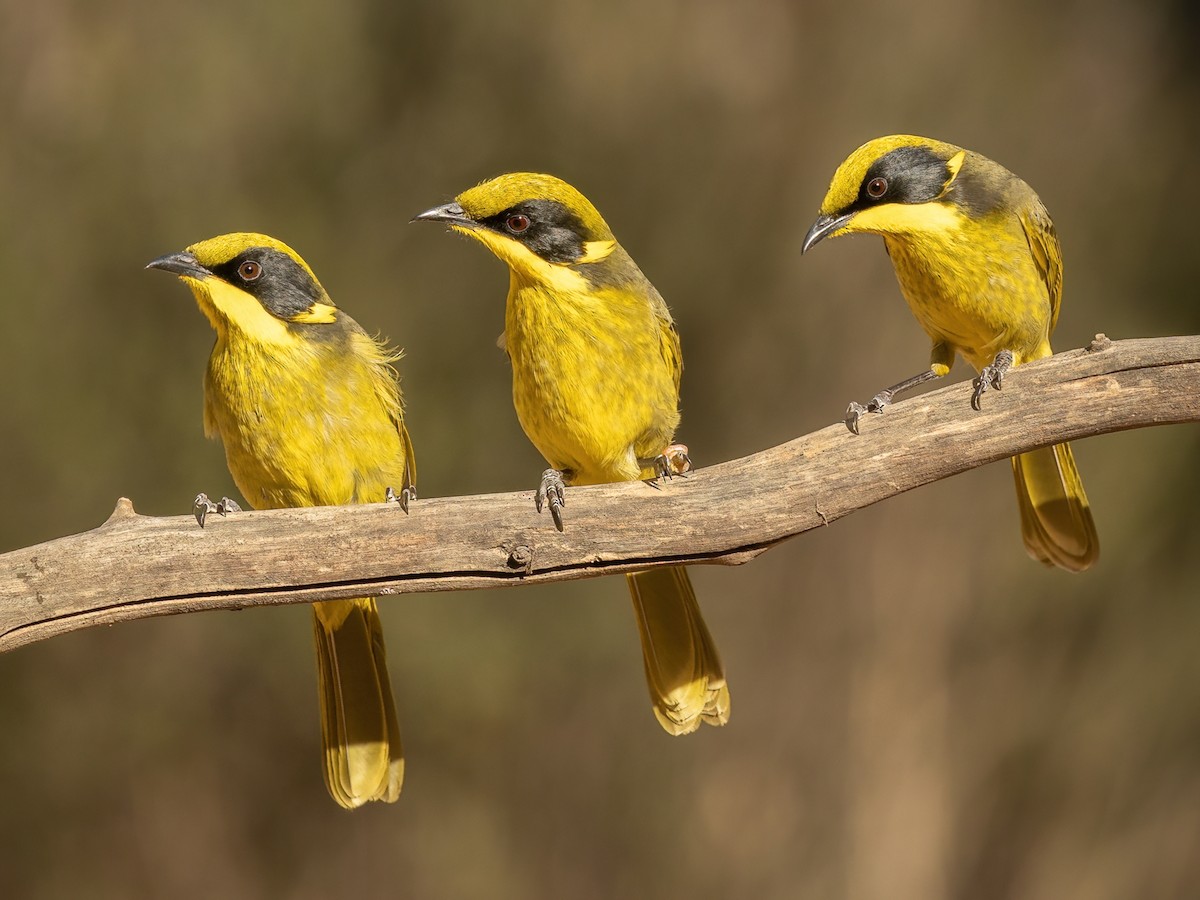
596 367
980 265
308 408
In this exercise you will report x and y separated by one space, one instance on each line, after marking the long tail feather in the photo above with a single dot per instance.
1056 520
360 733
683 670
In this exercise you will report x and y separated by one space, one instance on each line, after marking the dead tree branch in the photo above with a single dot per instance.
137 566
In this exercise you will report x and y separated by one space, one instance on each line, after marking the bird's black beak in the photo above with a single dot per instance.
450 213
180 264
822 228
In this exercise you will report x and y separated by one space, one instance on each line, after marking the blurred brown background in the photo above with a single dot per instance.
920 711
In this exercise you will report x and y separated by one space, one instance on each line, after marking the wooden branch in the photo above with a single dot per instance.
135 566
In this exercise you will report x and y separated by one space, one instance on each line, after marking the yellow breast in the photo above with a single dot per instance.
591 386
302 424
976 288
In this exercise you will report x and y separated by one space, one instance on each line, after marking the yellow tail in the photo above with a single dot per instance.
683 671
1056 520
359 730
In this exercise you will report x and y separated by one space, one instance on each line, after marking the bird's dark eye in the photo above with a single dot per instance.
249 270
517 223
876 188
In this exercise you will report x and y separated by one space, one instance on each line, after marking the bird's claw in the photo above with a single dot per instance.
550 493
875 405
405 497
991 376
879 401
202 506
853 413
674 460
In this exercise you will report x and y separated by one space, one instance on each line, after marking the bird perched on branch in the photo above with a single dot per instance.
596 366
309 410
980 265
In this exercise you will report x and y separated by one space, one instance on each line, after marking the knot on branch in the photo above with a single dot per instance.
521 557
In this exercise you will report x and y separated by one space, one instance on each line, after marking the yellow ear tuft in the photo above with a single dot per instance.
317 314
594 251
953 164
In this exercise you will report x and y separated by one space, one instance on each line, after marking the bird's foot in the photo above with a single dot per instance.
875 405
674 460
991 376
405 497
202 506
550 493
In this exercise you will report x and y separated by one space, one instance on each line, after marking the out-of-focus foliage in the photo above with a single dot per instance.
919 710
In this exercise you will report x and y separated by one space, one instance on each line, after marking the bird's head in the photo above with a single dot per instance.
899 185
253 283
538 224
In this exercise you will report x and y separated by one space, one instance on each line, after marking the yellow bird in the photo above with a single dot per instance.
309 410
980 265
596 366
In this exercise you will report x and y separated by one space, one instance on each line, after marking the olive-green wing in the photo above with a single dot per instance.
672 355
1047 254
410 459
668 336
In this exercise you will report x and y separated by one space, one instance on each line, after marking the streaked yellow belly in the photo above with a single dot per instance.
590 385
976 301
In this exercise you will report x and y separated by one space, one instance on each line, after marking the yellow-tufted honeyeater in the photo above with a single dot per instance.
309 410
596 366
980 265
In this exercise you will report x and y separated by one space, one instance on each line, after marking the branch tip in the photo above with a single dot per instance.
122 512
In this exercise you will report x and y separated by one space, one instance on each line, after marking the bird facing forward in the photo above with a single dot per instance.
979 263
308 408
